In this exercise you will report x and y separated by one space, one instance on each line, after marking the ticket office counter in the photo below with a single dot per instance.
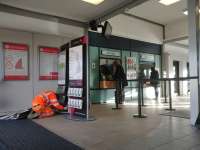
102 86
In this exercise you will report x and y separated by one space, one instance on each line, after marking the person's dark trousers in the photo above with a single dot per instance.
156 90
119 92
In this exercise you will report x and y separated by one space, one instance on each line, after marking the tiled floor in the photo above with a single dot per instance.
118 130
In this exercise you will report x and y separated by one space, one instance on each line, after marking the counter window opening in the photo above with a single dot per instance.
106 72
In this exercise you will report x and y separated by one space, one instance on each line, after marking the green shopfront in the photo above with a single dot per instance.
135 56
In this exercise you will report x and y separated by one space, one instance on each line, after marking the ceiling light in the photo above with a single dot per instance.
94 2
185 12
168 2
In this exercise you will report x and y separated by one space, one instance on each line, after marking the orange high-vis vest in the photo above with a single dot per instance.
43 103
51 99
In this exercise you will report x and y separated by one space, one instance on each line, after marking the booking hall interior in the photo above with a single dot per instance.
99 75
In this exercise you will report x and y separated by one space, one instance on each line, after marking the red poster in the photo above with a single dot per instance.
16 61
48 63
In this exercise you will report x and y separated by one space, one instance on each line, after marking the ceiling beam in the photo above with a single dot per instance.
128 4
42 16
143 19
175 39
179 45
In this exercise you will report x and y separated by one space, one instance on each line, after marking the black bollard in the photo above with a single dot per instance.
139 115
170 98
142 93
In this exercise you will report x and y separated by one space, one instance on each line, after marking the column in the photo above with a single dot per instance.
193 32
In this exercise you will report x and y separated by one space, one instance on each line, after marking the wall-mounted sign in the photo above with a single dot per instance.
110 53
16 61
48 63
147 57
131 67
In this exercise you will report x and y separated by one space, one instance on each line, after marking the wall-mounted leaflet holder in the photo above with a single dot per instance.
75 92
75 103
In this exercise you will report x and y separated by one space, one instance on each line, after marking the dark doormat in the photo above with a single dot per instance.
178 113
27 135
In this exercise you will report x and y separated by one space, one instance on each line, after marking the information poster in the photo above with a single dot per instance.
76 65
16 61
48 63
131 67
62 68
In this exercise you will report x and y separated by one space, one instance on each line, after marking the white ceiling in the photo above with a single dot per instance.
12 21
73 9
154 11
184 42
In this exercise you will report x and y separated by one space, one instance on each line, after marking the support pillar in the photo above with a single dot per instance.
194 53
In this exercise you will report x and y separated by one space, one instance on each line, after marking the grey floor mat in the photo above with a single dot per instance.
27 135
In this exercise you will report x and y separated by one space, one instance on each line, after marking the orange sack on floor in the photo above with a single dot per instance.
45 103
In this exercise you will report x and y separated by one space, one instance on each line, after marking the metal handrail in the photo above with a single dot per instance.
167 79
140 88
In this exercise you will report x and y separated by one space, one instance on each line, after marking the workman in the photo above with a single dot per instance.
45 104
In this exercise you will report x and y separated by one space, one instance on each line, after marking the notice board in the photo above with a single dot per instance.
77 96
76 65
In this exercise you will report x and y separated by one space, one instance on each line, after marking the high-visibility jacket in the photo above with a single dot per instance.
44 102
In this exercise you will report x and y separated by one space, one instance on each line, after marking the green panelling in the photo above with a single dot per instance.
94 67
97 96
158 63
101 96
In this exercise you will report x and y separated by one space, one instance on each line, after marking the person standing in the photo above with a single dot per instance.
121 81
154 80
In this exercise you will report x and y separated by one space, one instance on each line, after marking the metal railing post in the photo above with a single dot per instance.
139 115
170 98
142 93
165 91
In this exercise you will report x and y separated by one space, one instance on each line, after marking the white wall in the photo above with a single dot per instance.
130 27
16 95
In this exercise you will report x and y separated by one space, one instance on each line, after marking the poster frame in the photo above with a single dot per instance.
134 62
46 78
16 77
